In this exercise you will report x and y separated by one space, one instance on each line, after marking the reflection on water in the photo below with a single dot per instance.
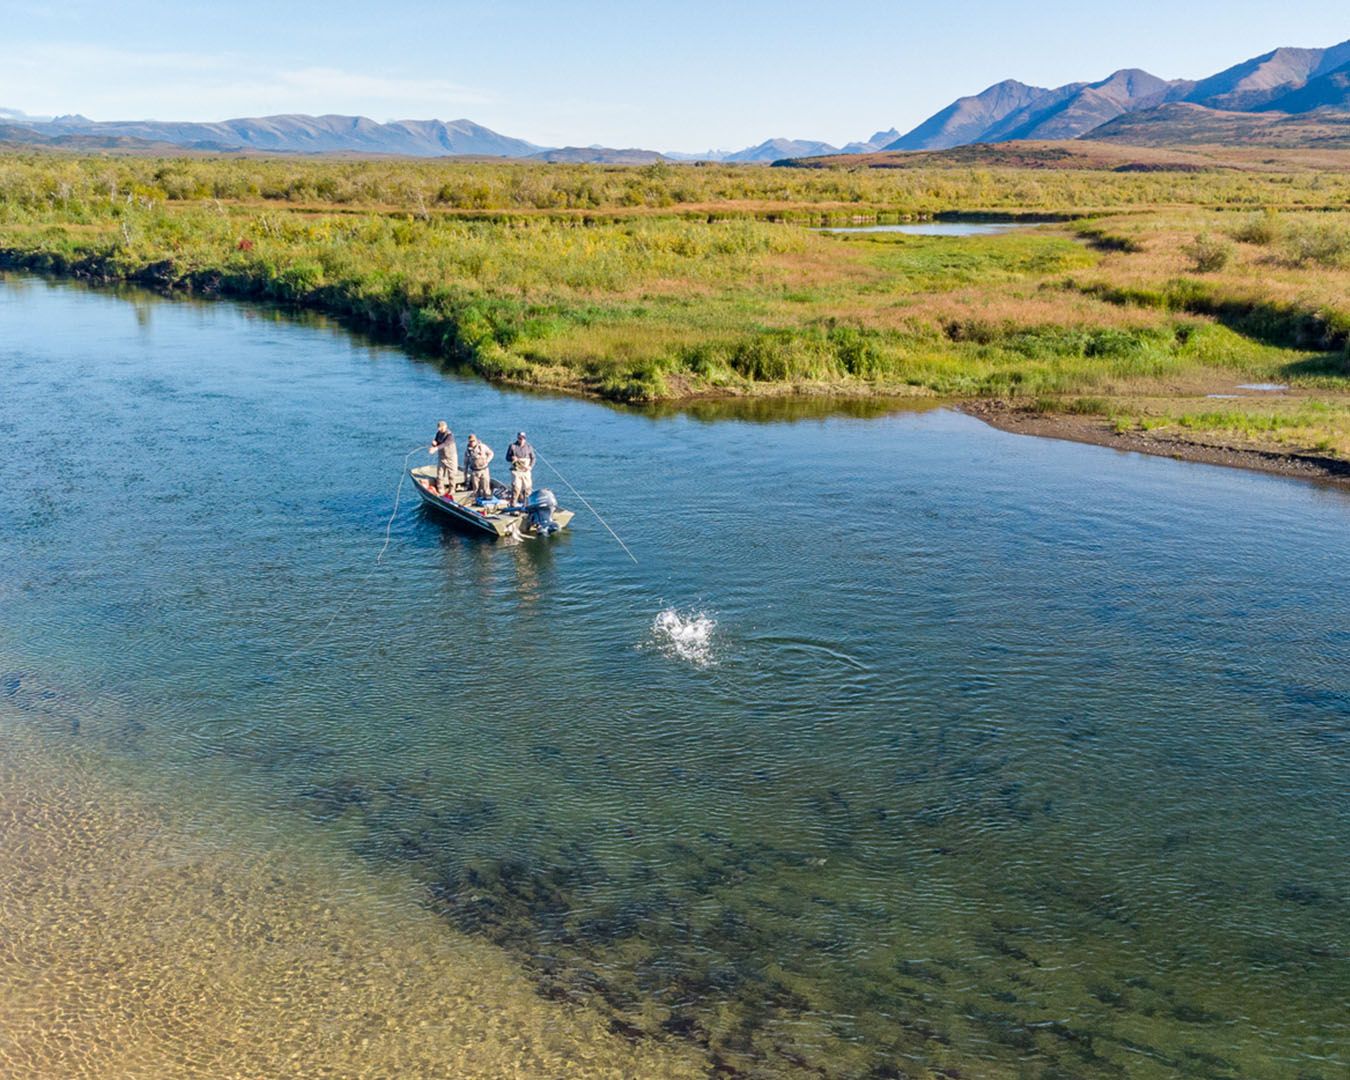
1017 757
783 410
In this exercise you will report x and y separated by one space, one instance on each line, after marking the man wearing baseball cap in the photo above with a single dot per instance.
520 456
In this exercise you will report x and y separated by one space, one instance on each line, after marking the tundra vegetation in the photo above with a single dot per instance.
1136 294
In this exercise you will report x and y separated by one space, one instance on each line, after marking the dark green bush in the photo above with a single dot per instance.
1208 253
1263 228
1316 243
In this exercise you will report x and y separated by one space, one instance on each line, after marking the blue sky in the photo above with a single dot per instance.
691 75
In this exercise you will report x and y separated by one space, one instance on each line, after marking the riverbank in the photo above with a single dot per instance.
1171 285
1208 449
1320 449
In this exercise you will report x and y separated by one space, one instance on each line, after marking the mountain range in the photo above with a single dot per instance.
298 133
1292 81
1284 97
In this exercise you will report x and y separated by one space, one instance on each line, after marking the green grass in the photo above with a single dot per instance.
617 307
36 181
678 302
1285 423
1252 423
638 310
936 263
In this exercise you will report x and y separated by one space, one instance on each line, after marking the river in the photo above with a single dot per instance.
905 745
934 228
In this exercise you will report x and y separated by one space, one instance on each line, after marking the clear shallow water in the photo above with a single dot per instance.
1001 755
135 943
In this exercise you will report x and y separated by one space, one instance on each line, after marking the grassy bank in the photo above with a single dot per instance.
946 182
1198 286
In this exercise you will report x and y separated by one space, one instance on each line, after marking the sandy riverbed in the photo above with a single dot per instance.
131 945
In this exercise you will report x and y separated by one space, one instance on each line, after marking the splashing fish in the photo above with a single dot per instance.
685 637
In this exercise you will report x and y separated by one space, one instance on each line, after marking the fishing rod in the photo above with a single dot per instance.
379 559
388 536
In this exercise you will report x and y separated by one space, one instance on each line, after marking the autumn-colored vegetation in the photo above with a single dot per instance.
660 282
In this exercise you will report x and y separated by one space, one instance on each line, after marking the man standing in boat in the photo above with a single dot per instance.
520 456
477 457
443 444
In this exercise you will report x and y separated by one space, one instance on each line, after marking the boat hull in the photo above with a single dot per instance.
461 509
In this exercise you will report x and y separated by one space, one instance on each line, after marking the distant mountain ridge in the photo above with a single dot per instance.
292 133
1329 91
774 149
19 135
1072 111
1258 81
1183 124
1285 81
967 118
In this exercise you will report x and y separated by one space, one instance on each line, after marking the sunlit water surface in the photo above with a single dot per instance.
906 744
934 228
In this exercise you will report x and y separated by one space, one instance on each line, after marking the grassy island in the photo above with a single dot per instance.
1144 289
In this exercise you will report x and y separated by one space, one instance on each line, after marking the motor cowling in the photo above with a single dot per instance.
539 508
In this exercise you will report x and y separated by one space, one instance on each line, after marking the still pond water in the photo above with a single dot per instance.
989 754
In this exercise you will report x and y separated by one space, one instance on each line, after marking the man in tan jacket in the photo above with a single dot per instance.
477 457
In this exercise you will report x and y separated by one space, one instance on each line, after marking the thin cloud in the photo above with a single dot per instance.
109 83
78 58
319 82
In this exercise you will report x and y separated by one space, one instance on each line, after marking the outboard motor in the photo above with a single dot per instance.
540 506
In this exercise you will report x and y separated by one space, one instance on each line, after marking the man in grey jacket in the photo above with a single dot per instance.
520 456
443 445
477 457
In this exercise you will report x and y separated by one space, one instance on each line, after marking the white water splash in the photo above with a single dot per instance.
685 637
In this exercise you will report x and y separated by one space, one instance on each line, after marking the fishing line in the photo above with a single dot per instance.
388 536
398 494
346 603
336 612
589 507
690 636
379 562
379 559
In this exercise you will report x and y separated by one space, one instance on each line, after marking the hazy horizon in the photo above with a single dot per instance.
602 73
